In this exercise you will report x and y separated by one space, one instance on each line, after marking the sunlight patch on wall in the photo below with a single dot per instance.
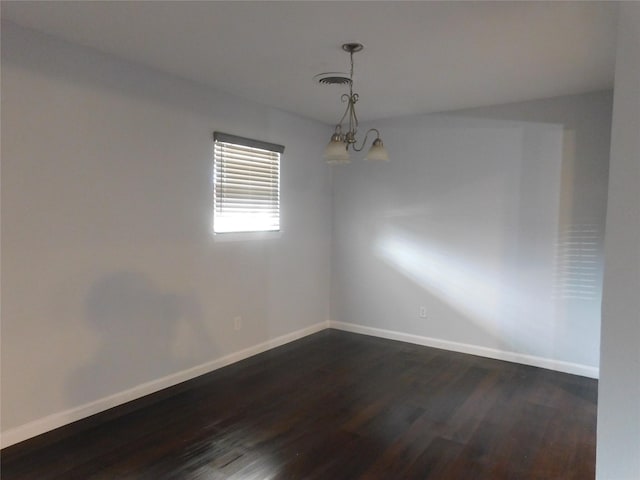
475 293
493 296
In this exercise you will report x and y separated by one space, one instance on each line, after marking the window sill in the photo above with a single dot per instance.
246 236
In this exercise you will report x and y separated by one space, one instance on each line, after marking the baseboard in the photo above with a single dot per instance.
550 364
56 420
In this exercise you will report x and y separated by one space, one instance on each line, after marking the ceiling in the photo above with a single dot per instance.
419 57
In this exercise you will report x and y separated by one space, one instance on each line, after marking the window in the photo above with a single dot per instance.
246 185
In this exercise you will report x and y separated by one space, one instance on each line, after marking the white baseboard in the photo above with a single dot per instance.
550 364
42 425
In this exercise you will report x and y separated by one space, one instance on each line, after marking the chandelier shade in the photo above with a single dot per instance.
337 151
377 152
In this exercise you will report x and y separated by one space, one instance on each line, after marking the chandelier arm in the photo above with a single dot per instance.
366 135
345 98
353 121
374 130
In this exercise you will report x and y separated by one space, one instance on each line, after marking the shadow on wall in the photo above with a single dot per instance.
144 334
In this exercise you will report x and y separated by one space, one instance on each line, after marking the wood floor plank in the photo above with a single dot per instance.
336 406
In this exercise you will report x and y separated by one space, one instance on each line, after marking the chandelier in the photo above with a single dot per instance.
337 151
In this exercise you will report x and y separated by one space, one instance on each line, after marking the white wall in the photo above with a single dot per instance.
111 277
618 450
492 219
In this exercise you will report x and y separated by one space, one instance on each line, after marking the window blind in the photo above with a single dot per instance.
246 179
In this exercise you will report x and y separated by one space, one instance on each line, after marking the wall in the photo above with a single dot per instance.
493 220
619 387
112 283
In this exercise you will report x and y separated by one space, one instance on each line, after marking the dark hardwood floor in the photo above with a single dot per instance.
337 406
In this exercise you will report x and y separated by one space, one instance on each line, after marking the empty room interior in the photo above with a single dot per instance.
320 240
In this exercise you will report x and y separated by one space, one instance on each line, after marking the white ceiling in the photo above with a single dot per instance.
419 56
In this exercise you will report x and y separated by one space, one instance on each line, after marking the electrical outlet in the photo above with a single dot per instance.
237 323
422 311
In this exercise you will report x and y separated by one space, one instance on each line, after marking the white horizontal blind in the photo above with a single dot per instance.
246 178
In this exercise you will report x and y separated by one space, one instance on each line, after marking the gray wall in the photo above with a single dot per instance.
111 278
492 219
618 452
